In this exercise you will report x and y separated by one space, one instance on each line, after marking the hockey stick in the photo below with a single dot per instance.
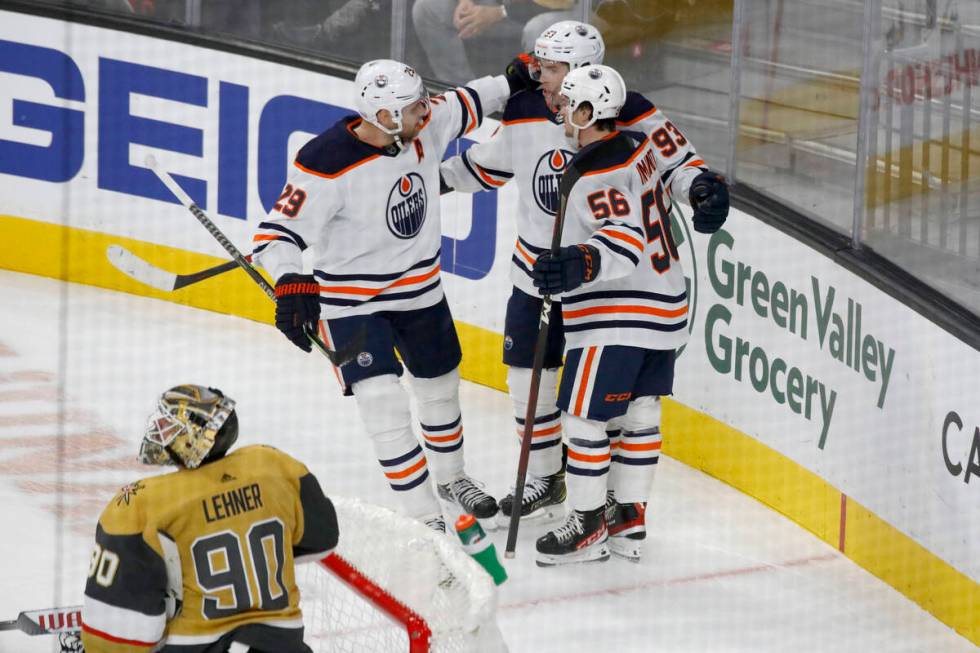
51 621
146 273
568 179
339 357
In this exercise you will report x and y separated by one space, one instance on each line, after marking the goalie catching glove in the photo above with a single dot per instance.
567 270
297 305
709 199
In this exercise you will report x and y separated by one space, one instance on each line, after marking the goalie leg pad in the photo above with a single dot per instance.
384 407
441 423
545 456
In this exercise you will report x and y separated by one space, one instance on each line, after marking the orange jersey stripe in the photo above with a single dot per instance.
646 310
407 472
650 446
527 257
354 290
586 458
542 433
472 116
695 163
487 178
443 438
629 161
584 381
336 174
623 237
642 116
523 120
260 237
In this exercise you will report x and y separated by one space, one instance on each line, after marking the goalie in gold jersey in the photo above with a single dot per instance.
197 559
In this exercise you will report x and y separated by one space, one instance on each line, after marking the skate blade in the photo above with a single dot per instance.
543 515
592 554
623 547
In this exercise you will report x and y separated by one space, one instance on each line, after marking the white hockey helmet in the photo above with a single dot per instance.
569 41
386 84
601 86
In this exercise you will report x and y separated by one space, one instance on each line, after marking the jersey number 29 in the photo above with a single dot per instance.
220 567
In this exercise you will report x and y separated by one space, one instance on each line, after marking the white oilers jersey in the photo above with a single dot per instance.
530 147
619 206
371 215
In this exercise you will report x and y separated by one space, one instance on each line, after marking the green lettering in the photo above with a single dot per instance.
780 302
794 390
741 351
722 275
778 365
760 294
761 380
824 310
723 363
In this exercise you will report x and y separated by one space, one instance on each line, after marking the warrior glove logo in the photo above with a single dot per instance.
547 176
406 206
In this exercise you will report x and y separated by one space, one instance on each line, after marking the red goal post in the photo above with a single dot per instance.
396 585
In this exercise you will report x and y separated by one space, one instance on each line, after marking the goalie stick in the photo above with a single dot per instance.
148 274
339 357
50 621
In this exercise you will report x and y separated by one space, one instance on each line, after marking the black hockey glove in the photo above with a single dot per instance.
519 75
443 186
572 267
709 199
297 305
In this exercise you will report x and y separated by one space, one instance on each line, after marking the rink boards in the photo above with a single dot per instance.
802 385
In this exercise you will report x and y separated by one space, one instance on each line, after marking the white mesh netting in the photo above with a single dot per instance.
423 570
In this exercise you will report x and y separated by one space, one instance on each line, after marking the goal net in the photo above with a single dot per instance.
396 585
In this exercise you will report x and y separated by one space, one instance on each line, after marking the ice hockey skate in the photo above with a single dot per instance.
464 496
627 527
543 500
435 521
582 538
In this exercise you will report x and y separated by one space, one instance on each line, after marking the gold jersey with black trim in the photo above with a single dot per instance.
198 558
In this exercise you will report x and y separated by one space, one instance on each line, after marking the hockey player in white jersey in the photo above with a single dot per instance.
364 196
625 312
531 148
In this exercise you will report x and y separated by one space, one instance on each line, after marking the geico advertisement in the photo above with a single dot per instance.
816 363
81 107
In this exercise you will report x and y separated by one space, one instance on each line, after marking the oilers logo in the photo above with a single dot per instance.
547 175
406 206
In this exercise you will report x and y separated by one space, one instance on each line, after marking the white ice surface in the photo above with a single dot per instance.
721 572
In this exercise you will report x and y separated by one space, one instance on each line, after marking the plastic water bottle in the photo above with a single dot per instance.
478 545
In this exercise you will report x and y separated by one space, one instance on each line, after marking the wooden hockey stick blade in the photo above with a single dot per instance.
50 621
146 273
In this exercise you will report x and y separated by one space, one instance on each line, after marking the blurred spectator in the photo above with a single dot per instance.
444 25
336 27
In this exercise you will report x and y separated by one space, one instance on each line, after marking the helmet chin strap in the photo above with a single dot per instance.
396 132
577 129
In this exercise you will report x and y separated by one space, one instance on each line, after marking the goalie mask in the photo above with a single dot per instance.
387 84
569 41
599 86
191 425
